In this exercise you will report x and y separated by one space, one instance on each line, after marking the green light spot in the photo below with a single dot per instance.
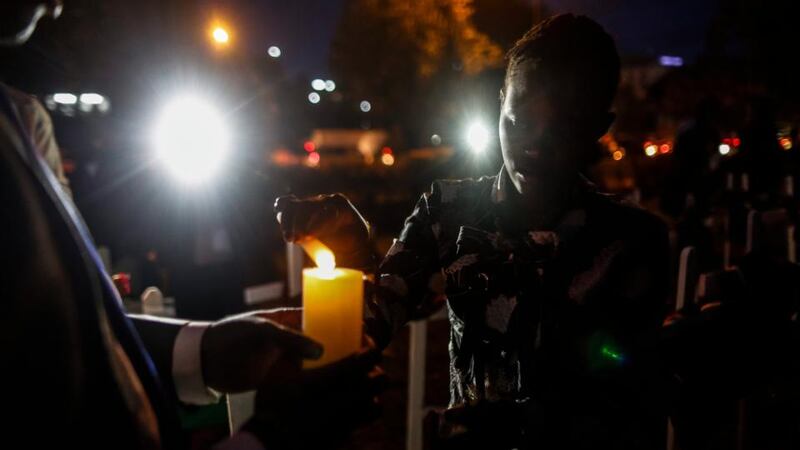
611 354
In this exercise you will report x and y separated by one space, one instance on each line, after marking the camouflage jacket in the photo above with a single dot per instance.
555 315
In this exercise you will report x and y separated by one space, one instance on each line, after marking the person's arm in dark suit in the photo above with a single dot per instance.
196 360
159 336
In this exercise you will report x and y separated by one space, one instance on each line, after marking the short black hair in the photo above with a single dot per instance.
577 52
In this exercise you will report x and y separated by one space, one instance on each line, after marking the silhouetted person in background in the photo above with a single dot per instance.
688 183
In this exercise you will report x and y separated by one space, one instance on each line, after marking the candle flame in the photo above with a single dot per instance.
325 260
320 253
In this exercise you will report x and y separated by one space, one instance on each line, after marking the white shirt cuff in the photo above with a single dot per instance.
241 441
187 368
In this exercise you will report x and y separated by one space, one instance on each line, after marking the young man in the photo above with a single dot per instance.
552 288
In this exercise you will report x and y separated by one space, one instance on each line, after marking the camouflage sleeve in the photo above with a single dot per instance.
409 283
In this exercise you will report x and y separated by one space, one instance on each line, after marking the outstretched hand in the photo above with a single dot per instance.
239 353
330 218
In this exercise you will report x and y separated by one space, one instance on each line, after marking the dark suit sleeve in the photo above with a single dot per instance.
158 336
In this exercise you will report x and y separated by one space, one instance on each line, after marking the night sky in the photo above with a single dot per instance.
649 27
303 28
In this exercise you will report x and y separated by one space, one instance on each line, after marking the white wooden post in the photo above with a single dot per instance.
686 275
726 245
417 352
418 334
753 222
241 408
294 269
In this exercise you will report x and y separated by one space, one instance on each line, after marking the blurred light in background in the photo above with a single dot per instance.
313 98
309 146
274 51
92 99
724 149
786 143
618 155
283 157
365 106
313 159
650 150
66 103
477 137
387 159
63 98
220 35
330 86
191 139
318 85
670 61
436 140
665 148
732 142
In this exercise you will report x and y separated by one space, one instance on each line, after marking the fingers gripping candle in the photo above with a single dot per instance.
333 301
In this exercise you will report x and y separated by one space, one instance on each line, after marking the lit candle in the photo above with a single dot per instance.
333 303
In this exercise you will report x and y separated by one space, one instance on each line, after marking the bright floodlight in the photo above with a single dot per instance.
274 51
191 139
318 85
724 149
65 98
478 137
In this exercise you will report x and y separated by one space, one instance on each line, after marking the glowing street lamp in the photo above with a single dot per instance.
220 35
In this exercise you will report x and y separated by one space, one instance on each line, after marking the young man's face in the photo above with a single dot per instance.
546 135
